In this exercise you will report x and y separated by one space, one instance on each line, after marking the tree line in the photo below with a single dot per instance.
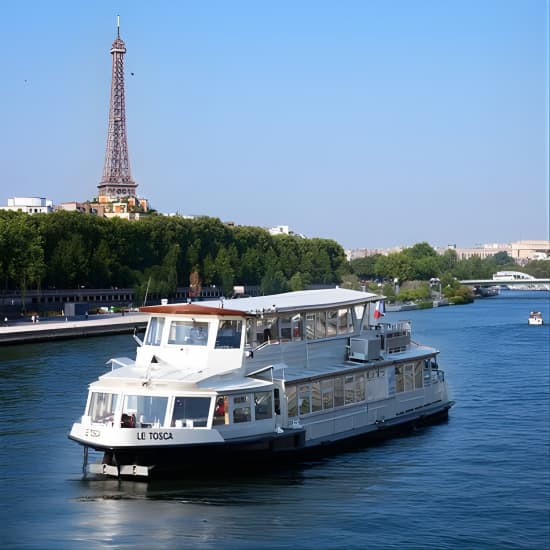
159 253
73 250
421 262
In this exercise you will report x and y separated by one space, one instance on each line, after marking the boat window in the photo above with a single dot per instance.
327 391
399 383
292 403
285 324
263 407
304 399
241 409
320 324
191 412
188 333
221 410
345 322
408 377
310 326
359 312
338 391
146 410
102 407
349 390
297 324
263 330
229 334
251 339
418 378
315 396
154 331
360 387
332 322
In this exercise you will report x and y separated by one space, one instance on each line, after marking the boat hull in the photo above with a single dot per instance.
285 448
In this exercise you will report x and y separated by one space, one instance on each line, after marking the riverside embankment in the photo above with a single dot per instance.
22 332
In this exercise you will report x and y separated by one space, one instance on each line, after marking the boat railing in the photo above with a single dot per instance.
433 376
395 337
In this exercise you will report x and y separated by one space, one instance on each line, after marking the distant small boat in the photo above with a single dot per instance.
535 318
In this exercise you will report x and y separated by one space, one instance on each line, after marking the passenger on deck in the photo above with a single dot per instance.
127 421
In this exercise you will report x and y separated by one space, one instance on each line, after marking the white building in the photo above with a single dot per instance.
279 230
29 205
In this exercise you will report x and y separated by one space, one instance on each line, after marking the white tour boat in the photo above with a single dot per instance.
535 318
252 380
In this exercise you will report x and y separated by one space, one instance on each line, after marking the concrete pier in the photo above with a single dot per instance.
22 332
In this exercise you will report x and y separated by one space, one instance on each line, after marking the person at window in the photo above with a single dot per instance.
220 407
127 421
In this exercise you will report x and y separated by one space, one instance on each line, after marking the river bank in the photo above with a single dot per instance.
61 328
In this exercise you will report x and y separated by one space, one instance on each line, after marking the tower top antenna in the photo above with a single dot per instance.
118 26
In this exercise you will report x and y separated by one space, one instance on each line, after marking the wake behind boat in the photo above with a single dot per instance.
255 379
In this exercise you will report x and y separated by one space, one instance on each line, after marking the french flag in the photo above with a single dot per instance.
380 309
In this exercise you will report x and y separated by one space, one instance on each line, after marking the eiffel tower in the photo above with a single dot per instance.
117 182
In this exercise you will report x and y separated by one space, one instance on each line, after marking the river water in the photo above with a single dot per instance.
479 481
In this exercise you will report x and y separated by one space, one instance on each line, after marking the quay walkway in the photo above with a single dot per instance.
23 332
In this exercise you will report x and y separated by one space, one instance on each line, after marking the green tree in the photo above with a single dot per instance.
364 268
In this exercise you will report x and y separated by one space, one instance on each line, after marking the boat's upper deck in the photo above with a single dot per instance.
307 333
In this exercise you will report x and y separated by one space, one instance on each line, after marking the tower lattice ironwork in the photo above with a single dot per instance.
117 182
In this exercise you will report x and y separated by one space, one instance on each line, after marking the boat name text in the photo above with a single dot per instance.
141 436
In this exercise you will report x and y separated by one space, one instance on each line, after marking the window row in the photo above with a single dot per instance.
140 411
408 377
315 325
325 394
194 333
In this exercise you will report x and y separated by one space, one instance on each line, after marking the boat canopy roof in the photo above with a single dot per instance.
302 300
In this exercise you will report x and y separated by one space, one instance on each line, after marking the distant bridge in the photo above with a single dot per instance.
507 282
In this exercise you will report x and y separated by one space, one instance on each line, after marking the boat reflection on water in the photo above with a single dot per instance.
225 509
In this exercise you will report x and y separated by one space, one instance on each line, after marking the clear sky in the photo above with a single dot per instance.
376 123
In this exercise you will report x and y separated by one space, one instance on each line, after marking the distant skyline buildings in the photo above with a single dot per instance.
521 251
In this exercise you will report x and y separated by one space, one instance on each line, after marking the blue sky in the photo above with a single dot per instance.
376 123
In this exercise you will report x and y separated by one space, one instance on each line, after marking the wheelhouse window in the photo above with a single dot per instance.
191 412
154 331
229 334
102 407
188 333
144 410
